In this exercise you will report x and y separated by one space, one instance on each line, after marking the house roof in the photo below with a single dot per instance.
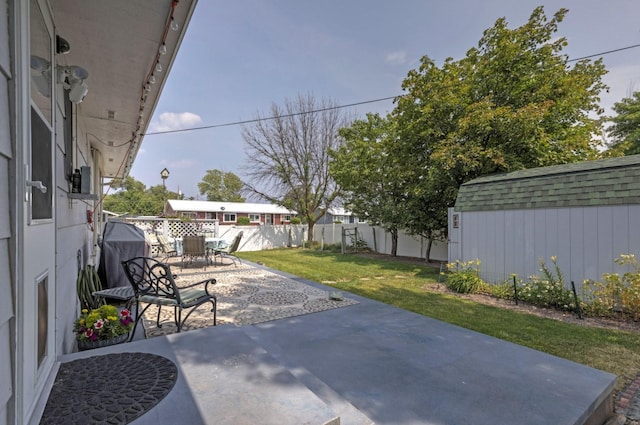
118 43
230 207
613 181
339 211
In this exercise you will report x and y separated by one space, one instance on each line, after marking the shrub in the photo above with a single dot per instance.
548 290
616 293
243 221
502 290
295 220
333 247
464 277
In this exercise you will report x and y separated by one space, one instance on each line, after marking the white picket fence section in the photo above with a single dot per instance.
258 238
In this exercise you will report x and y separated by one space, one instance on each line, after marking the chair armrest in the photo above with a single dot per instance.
205 282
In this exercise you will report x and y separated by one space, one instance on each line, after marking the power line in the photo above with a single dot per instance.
330 108
605 53
349 105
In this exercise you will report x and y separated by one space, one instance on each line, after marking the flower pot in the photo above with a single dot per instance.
89 345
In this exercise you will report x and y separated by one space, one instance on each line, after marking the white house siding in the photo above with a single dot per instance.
585 240
73 237
6 277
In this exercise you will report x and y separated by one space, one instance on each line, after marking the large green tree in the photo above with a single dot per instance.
132 197
221 186
288 156
625 127
370 176
512 102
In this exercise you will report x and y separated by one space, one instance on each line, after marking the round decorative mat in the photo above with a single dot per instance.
108 389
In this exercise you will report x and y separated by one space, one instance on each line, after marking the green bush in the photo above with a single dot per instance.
295 220
616 294
464 277
333 247
243 221
502 290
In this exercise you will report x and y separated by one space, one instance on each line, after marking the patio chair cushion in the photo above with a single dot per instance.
187 296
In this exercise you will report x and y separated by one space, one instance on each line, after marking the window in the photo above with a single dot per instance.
286 217
456 221
41 161
189 214
41 168
229 217
210 215
254 218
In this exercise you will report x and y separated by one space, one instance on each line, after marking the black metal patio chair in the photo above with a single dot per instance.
154 284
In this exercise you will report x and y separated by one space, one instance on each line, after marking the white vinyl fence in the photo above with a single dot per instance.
257 238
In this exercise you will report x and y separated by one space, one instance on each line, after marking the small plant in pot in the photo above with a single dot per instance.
102 326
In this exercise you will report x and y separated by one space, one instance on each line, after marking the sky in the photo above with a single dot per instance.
240 57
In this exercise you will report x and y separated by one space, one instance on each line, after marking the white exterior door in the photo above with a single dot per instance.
36 190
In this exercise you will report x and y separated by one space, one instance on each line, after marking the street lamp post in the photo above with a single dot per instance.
164 174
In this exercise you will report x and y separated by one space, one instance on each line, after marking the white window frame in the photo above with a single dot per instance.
254 218
227 217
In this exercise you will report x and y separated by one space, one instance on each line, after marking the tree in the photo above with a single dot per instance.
288 156
221 186
132 197
511 103
370 177
625 129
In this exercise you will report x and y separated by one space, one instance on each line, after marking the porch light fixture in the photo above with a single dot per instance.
62 46
73 79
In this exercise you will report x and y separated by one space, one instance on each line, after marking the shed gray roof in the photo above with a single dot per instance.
613 181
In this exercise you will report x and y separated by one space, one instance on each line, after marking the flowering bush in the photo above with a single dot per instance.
548 291
102 323
617 294
464 277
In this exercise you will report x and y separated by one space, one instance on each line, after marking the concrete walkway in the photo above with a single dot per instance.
363 364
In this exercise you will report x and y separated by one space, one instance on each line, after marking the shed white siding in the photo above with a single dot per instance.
585 240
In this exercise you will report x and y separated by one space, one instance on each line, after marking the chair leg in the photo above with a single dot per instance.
158 319
178 316
139 315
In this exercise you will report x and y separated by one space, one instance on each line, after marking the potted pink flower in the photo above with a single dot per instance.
102 326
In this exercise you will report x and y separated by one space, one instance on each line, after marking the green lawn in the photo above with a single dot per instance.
408 286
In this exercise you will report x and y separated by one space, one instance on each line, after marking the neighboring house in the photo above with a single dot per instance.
229 212
338 215
75 93
585 214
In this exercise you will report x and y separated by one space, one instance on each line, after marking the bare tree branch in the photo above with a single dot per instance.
289 155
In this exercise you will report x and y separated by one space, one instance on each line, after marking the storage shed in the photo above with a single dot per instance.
586 214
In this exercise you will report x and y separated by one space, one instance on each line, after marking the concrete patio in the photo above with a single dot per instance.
362 364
